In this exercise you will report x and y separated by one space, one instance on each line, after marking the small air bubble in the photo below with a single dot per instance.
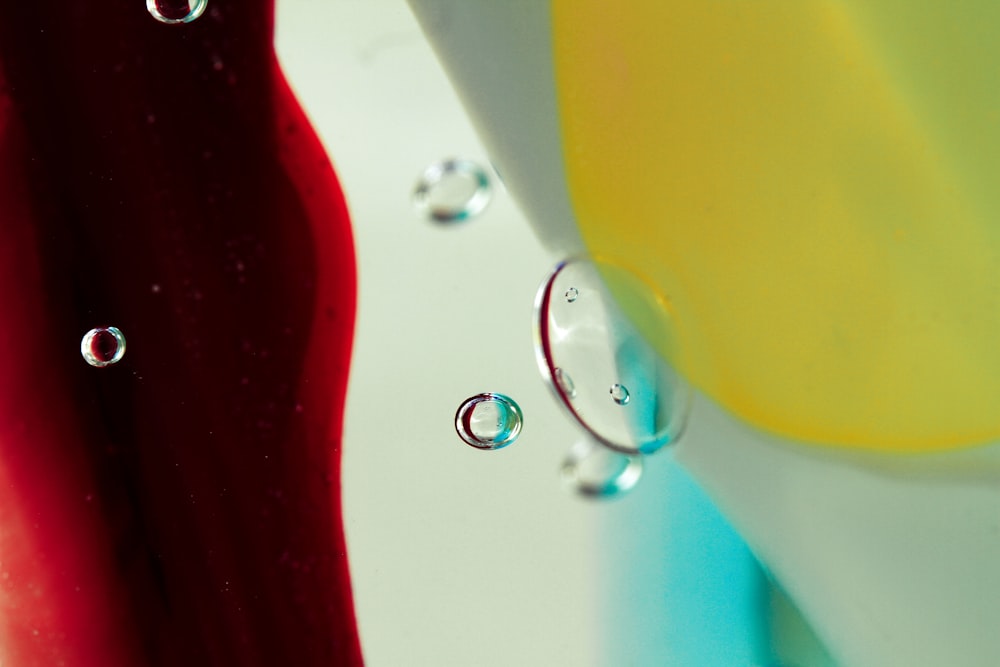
619 394
572 294
489 421
452 191
174 12
103 346
565 383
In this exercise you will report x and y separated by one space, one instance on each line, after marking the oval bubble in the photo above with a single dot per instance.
619 394
452 191
592 341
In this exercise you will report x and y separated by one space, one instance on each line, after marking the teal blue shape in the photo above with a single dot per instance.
679 587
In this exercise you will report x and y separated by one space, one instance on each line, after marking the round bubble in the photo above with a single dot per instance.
103 346
489 421
589 339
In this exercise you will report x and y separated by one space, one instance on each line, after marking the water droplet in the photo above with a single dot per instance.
594 471
594 342
489 421
452 191
103 346
572 294
173 12
619 394
565 383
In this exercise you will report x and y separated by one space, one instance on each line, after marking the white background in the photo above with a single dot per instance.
458 557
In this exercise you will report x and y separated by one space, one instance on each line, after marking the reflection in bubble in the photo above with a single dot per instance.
103 346
594 471
489 421
452 191
592 340
173 12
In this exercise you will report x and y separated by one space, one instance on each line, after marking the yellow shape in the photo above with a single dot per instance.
810 186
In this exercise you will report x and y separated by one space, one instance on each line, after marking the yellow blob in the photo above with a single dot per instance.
811 187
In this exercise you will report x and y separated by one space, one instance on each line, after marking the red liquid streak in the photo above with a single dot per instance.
183 506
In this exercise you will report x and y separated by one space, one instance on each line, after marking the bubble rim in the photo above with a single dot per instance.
611 489
469 404
193 14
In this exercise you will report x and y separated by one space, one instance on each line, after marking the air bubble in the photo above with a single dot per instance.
103 346
174 12
572 294
619 394
565 383
594 342
452 191
594 471
489 421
